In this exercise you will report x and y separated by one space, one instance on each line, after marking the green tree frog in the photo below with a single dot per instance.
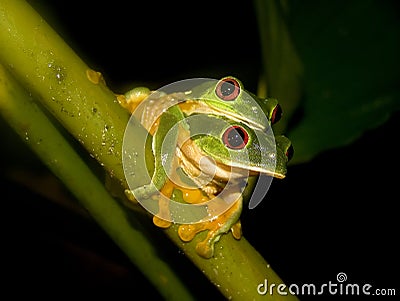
226 97
206 142
232 152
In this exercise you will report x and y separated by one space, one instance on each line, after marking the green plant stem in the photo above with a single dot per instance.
237 269
39 59
27 119
47 67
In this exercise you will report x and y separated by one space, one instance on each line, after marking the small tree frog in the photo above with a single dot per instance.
216 137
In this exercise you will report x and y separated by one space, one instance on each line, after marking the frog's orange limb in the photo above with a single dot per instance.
133 98
237 230
193 196
163 204
95 77
215 229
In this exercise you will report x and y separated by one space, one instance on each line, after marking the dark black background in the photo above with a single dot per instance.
157 43
334 214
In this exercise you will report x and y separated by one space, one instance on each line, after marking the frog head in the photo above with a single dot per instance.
235 144
227 97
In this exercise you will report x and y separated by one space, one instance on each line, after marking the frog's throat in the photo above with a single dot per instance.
190 156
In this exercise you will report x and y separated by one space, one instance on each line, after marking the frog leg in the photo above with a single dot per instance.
163 166
164 154
229 220
166 191
193 196
164 145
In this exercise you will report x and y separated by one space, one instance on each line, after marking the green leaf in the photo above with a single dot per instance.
349 51
281 63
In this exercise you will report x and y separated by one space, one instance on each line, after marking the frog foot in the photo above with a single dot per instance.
229 220
133 98
191 196
163 206
161 219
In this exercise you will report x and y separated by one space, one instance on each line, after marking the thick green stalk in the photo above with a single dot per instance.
68 88
237 269
78 99
27 119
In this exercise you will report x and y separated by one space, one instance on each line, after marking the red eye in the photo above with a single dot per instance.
235 137
289 152
276 114
227 89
